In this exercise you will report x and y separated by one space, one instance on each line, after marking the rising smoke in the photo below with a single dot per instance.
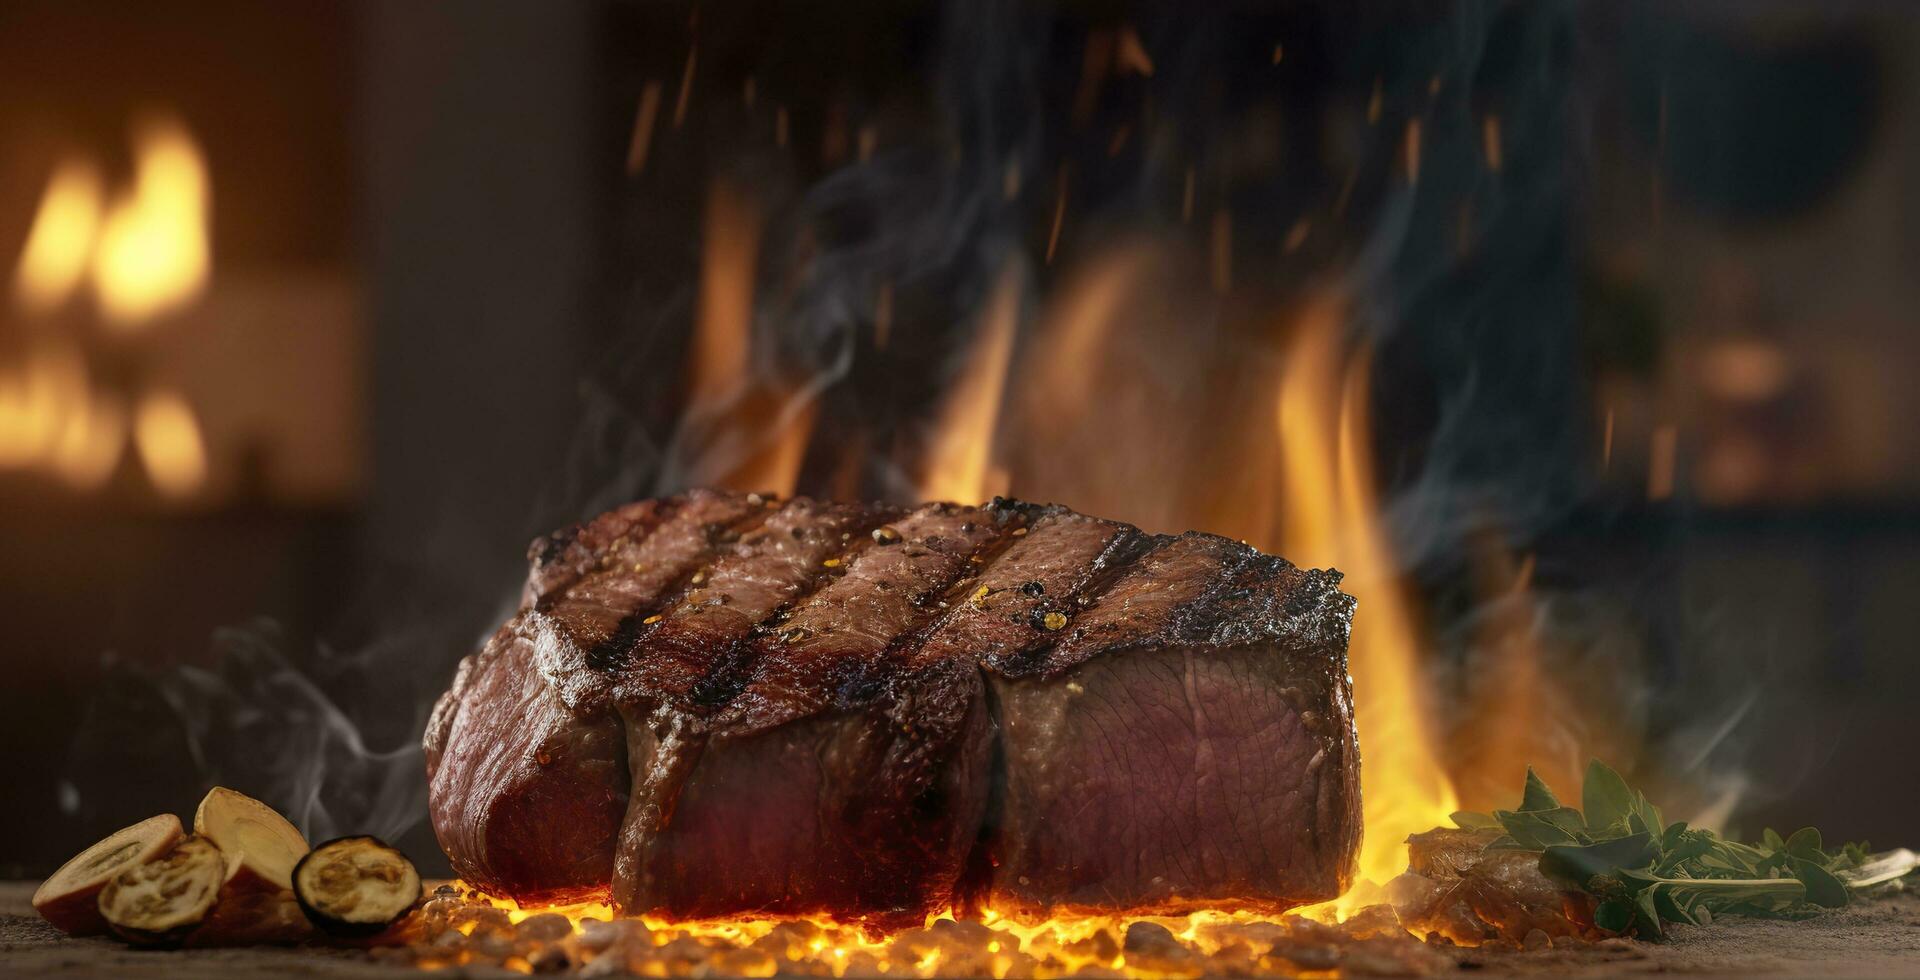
1463 278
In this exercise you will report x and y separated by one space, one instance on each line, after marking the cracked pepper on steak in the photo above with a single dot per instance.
719 704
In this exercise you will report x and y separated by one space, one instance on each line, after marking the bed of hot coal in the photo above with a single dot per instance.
460 927
460 934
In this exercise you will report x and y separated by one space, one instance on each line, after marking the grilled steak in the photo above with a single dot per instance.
716 704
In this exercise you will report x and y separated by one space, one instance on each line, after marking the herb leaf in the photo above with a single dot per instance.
1537 796
1605 798
1469 820
1823 889
1577 865
1646 872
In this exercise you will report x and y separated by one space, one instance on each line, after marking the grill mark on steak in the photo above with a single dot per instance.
826 652
695 656
1151 599
1044 571
597 617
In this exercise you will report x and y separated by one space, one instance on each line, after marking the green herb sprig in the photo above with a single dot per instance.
1646 872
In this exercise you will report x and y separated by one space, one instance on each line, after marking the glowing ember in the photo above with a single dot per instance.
459 927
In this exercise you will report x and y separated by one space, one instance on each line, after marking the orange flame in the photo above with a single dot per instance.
146 254
38 401
1330 518
961 462
152 254
167 433
757 430
91 442
61 241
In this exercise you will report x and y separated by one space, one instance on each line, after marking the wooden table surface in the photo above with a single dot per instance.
1872 939
30 947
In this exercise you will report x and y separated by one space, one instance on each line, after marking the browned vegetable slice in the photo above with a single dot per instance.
70 898
259 842
158 902
355 886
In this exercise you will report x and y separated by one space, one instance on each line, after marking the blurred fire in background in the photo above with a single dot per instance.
1575 334
145 256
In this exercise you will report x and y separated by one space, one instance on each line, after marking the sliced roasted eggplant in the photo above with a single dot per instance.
70 898
355 886
256 903
260 844
159 902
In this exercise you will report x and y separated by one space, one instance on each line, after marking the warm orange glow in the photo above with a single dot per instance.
55 257
754 425
1410 151
152 255
168 436
16 437
1524 701
775 467
1077 333
960 462
91 443
1745 369
1330 517
729 255
845 949
1512 720
1661 454
38 400
642 137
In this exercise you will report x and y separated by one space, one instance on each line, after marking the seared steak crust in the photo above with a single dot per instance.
716 703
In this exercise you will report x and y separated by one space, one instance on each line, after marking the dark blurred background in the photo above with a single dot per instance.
1635 278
